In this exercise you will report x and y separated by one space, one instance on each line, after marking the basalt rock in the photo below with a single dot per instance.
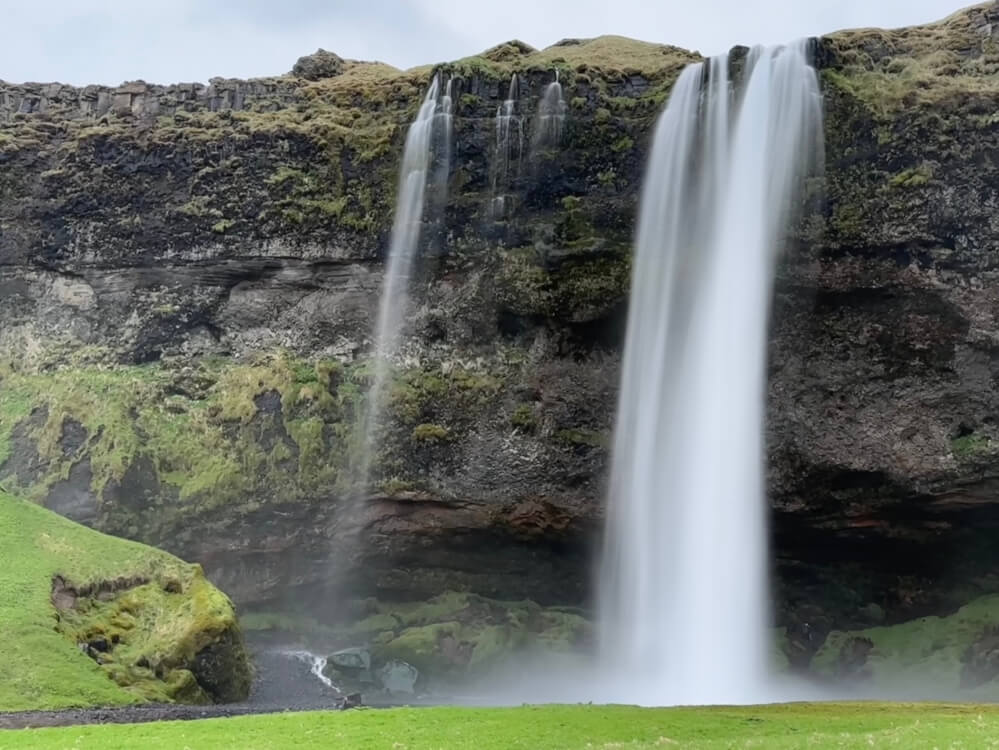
320 64
196 291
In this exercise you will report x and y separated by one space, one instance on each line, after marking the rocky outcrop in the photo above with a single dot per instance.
320 64
196 291
93 620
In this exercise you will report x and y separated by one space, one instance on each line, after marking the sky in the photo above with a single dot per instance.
167 41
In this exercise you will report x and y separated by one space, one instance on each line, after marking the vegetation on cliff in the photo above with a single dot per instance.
88 619
953 655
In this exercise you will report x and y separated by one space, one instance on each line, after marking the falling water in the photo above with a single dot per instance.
317 665
432 125
509 150
442 133
551 115
683 579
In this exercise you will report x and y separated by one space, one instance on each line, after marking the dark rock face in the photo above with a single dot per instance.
251 217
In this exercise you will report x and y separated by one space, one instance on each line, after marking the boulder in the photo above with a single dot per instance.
320 64
398 677
351 659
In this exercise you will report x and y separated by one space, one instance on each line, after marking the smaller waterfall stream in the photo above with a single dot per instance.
317 666
509 149
551 115
426 155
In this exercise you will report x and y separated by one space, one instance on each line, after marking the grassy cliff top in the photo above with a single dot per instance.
607 55
948 65
43 665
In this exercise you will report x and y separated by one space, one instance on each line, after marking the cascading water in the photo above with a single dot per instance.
442 134
509 150
428 147
551 115
317 665
683 590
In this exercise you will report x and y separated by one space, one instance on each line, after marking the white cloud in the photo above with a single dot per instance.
108 41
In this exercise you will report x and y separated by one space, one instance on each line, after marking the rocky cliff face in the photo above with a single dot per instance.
190 276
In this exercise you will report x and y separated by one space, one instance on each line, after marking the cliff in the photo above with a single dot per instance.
190 275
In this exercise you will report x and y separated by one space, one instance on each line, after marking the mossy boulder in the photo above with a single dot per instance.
460 636
930 656
89 619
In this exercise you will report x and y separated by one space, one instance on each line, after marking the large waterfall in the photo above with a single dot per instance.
425 159
684 586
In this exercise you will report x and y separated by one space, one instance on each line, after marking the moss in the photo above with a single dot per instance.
199 206
913 177
457 636
523 418
283 623
149 634
583 438
448 606
200 437
622 144
395 485
222 226
419 394
905 656
430 433
523 286
423 647
607 178
588 281
162 629
943 66
494 644
969 446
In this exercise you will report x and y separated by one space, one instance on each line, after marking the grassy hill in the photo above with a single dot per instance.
123 623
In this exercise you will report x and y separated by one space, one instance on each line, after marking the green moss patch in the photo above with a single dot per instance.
184 437
945 66
938 654
89 619
451 638
588 285
459 636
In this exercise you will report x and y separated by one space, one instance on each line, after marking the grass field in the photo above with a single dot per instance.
843 725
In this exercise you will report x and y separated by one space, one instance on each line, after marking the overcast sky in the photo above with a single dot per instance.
164 41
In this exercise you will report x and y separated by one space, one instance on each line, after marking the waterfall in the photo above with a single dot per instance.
683 585
428 145
551 115
443 131
317 665
507 153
